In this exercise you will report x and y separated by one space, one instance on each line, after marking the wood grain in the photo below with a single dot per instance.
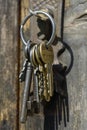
75 35
8 64
24 12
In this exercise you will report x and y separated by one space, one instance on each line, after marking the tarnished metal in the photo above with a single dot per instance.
26 92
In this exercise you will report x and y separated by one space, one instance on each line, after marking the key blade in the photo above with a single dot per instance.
26 93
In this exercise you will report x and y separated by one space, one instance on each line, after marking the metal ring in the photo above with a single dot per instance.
36 13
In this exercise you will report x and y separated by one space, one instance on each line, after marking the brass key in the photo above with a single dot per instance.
32 57
38 65
42 57
37 56
49 79
47 56
41 82
46 86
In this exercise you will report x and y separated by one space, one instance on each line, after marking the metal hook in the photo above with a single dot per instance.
36 13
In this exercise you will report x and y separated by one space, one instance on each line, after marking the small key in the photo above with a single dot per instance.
23 71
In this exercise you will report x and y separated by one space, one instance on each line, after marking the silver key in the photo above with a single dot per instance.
26 92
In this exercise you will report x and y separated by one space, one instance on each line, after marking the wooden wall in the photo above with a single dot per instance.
8 64
76 36
11 59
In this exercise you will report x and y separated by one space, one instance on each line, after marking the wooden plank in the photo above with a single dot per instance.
76 2
8 64
75 35
67 3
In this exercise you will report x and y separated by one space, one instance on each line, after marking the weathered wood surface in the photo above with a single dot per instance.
75 35
8 64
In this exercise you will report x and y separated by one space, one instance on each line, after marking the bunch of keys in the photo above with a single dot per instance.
42 59
37 68
38 64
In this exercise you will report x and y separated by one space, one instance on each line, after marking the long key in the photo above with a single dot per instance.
26 75
28 80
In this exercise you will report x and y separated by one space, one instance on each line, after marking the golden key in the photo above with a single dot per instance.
47 56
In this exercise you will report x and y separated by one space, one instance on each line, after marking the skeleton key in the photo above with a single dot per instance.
26 93
28 79
23 71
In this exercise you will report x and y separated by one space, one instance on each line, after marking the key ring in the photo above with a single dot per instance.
32 13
